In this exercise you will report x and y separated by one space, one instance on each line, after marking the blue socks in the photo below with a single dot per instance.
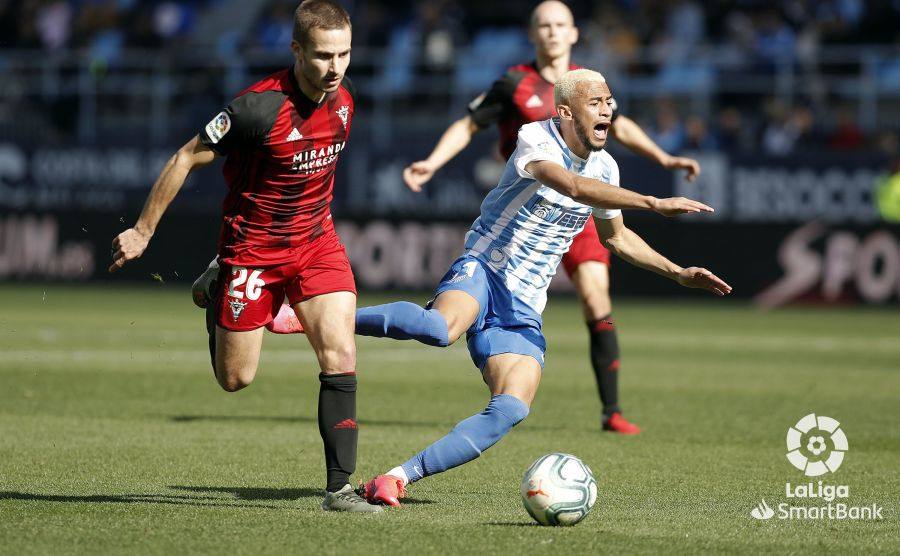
403 320
468 438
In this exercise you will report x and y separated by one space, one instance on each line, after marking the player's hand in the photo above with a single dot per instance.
417 174
128 246
700 278
684 163
673 206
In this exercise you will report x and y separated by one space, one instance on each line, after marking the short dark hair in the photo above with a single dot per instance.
318 14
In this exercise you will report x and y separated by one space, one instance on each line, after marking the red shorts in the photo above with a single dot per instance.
250 298
585 247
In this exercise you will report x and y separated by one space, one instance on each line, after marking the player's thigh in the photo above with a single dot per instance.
514 374
591 279
237 356
459 309
329 321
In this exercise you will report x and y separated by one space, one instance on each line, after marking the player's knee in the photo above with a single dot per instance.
445 342
455 330
232 379
338 358
512 409
597 304
516 410
233 383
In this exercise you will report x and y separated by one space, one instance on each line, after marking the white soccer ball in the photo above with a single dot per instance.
558 489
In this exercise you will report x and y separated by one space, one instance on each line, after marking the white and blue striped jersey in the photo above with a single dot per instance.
526 227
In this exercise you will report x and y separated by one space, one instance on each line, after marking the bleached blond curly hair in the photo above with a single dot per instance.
566 85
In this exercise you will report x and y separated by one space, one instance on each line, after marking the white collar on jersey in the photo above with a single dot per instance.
554 125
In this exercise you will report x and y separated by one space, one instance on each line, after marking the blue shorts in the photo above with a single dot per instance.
504 324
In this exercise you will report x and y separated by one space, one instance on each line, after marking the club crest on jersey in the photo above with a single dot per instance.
218 127
237 307
343 113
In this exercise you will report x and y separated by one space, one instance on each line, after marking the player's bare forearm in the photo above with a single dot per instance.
131 243
630 134
606 196
632 248
192 155
456 138
585 190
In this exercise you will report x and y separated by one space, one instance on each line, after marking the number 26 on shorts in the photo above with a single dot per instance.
251 281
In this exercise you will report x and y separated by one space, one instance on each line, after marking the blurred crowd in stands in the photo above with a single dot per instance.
101 25
684 45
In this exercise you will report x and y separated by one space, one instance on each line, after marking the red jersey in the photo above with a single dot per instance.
281 150
520 97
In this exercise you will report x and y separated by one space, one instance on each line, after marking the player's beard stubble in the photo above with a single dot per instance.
582 133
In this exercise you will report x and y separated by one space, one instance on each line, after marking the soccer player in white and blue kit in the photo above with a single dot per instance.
495 292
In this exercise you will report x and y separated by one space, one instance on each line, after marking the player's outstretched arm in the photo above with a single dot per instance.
631 247
630 134
131 243
605 196
454 140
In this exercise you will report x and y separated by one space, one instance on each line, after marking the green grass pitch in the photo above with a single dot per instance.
114 438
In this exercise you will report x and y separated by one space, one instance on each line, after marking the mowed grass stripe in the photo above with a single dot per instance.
107 454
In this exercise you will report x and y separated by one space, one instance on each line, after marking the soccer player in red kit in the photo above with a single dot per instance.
523 95
281 138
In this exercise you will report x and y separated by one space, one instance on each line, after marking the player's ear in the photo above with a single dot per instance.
565 113
296 49
573 38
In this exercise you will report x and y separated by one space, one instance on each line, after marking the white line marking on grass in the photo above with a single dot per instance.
824 344
400 354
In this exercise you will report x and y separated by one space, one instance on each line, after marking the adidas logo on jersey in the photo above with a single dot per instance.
294 136
534 102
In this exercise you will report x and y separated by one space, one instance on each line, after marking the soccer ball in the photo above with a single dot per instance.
558 489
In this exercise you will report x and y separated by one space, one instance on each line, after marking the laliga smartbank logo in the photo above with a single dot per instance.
816 445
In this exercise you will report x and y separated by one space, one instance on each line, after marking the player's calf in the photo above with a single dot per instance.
468 439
